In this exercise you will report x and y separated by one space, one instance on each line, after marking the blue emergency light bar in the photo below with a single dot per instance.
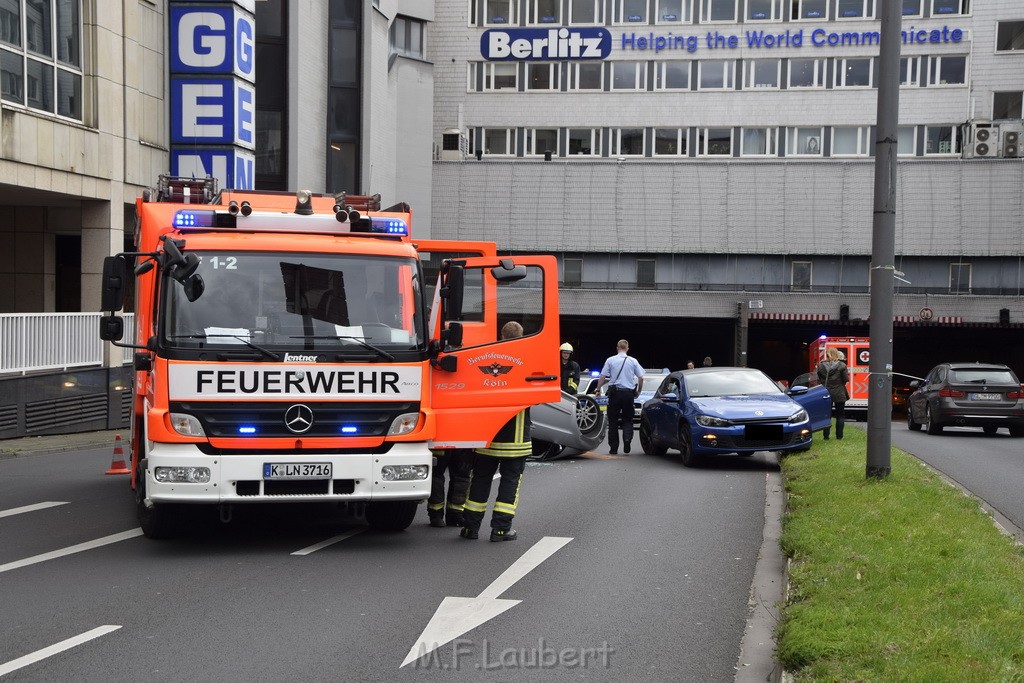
195 219
349 430
389 226
203 219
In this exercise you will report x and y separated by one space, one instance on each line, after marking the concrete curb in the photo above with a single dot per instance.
51 444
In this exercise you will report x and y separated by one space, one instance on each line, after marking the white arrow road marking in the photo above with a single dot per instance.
32 508
456 616
71 550
38 655
330 541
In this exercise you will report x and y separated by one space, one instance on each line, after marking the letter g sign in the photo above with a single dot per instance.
212 40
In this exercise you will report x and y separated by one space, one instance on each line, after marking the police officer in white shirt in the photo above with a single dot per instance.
623 374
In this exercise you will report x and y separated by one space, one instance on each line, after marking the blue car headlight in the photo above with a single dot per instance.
709 421
798 417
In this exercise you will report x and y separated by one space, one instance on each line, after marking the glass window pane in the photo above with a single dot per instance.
11 77
589 76
38 27
68 35
415 38
844 141
1010 36
1007 105
802 73
69 94
573 270
344 118
539 76
269 135
766 73
952 70
905 141
583 12
857 72
547 11
677 75
634 10
624 76
39 88
344 10
808 141
911 7
496 141
343 171
760 9
712 74
671 10
669 141
814 9
10 22
755 141
544 140
719 141
344 56
504 76
499 11
850 8
583 141
721 10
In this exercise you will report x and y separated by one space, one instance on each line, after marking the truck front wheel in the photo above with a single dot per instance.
157 521
392 515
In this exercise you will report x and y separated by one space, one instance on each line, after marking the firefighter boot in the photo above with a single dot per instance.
436 519
503 535
454 518
469 533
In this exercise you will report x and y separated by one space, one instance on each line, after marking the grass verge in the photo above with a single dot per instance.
901 579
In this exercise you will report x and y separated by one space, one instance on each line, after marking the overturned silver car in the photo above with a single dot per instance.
574 425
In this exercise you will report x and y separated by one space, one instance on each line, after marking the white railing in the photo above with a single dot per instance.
31 342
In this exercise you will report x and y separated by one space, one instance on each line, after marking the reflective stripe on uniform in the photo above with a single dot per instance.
518 447
473 506
435 506
454 506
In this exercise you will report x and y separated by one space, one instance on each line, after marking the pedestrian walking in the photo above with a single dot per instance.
833 375
624 376
506 455
446 510
570 370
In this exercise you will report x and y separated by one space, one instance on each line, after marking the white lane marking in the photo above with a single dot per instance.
71 550
32 508
456 616
330 541
38 655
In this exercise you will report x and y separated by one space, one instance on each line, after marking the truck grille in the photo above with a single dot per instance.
330 419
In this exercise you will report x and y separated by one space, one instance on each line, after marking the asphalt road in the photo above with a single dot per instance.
652 584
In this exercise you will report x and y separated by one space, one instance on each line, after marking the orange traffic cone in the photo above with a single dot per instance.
117 465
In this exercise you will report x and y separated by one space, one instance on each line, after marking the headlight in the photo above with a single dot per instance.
189 475
186 425
404 424
798 417
708 421
404 472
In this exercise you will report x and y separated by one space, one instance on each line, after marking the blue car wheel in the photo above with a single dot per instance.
686 454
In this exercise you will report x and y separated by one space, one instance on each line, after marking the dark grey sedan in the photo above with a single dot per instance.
986 395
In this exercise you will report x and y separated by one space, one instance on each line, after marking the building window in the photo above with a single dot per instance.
630 11
628 142
947 70
1007 105
541 141
850 141
344 121
951 7
500 75
586 76
714 141
960 278
672 75
716 74
1010 36
499 141
806 73
764 10
910 71
32 72
805 142
942 140
912 8
673 12
810 9
542 76
645 273
544 12
407 37
585 11
670 142
718 10
762 73
906 141
759 142
584 142
854 73
629 76
800 276
500 12
572 272
855 9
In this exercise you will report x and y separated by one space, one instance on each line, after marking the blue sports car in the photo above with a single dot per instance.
719 410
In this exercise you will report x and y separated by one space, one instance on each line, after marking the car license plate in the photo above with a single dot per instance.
986 397
297 470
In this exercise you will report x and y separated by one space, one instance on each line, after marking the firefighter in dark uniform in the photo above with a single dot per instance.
507 455
447 510
570 370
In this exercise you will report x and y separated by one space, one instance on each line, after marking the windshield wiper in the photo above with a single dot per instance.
358 340
269 354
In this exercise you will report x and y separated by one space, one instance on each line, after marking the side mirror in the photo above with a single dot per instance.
111 327
508 271
670 398
797 390
194 287
452 292
453 335
186 268
914 384
115 274
446 363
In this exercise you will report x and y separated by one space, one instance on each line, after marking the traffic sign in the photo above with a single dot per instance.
925 313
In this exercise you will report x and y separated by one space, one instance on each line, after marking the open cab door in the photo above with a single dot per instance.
479 381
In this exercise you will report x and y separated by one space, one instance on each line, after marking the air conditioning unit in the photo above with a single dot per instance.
454 145
1010 135
982 140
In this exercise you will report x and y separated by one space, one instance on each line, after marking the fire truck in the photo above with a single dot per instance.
288 350
856 352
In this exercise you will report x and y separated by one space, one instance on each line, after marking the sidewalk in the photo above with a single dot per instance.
60 443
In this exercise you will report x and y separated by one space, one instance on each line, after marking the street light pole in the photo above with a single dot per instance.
883 243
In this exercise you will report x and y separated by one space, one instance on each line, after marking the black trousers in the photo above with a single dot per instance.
620 415
838 410
458 464
484 467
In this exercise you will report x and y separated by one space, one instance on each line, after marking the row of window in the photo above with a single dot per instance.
747 141
801 275
41 55
710 74
591 12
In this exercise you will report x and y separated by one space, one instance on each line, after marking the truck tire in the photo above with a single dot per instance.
158 520
391 515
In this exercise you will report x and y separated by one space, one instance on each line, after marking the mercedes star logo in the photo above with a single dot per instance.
298 418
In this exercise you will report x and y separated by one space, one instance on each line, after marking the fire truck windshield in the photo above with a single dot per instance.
280 302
